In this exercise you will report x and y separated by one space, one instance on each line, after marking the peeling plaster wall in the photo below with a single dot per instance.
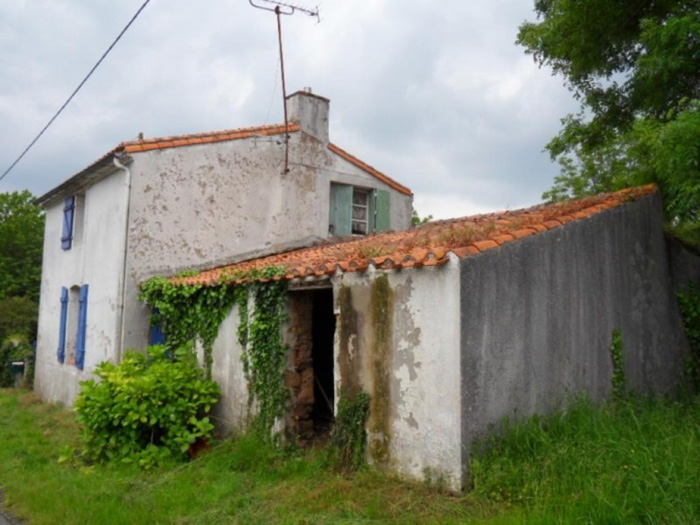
409 367
205 205
231 412
96 258
538 316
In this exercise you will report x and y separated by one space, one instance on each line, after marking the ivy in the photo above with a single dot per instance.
347 446
619 379
188 313
191 313
265 354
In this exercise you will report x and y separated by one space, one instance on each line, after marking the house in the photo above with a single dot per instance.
158 206
452 327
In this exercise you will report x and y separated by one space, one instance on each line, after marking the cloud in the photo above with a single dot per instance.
435 95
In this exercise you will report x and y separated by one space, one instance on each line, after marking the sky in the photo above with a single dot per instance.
436 95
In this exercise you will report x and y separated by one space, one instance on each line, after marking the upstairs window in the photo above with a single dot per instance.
357 211
68 217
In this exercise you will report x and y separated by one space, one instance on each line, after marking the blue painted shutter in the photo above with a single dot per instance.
341 210
82 324
62 328
381 210
68 212
156 336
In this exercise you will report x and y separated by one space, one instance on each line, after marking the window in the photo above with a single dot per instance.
357 211
360 211
156 335
73 325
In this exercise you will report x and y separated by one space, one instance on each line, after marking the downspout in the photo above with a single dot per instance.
119 336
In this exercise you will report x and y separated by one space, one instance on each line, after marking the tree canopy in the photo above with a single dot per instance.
21 245
634 66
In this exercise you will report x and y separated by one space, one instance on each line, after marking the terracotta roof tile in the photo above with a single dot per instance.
429 245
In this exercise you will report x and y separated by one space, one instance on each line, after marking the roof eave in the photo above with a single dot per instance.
95 172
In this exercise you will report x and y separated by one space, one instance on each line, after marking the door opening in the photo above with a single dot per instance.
322 334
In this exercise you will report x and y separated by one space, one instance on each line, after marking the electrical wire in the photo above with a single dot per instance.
76 89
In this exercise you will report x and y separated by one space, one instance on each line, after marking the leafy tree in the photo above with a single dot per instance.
417 220
18 317
21 245
633 65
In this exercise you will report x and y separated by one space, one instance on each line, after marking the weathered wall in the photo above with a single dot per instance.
537 316
231 413
204 205
96 258
397 338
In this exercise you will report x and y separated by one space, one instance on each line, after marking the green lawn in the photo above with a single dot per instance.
638 462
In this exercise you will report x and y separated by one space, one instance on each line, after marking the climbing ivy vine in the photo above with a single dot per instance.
188 313
191 313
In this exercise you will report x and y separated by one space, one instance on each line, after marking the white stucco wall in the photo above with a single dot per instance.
231 413
96 258
204 205
424 365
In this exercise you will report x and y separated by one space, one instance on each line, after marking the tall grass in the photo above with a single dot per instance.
636 461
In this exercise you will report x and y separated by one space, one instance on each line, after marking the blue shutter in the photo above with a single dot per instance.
156 335
68 212
62 329
82 323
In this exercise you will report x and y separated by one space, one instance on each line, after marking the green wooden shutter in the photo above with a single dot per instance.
340 210
382 222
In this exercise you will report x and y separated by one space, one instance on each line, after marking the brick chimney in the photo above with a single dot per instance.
310 112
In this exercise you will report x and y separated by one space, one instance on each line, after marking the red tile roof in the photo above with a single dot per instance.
369 169
429 245
202 138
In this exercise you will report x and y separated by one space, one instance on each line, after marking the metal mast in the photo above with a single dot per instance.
282 8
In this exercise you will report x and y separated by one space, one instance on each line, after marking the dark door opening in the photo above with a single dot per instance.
322 333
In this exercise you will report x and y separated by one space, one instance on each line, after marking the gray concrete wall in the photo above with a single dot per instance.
397 338
537 317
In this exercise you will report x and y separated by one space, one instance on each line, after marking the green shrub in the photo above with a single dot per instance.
149 408
15 348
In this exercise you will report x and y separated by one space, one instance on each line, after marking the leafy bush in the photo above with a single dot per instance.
148 408
18 316
15 349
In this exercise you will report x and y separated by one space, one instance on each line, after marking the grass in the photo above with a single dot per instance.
635 462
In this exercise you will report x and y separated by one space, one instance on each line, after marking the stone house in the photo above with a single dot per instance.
454 326
158 206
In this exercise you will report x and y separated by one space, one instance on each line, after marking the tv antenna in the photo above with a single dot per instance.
282 8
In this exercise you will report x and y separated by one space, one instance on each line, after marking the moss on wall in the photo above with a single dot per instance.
348 358
382 304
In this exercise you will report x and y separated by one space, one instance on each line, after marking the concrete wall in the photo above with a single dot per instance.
537 317
96 258
231 413
205 205
397 338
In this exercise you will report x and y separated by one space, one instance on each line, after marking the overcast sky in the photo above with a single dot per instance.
434 94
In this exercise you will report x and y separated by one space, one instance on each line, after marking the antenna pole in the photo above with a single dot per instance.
284 94
283 8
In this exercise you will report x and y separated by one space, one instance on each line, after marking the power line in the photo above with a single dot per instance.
76 89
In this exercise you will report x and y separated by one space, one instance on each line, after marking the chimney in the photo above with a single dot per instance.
310 112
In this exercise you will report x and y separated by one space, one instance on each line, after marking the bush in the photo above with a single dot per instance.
348 442
149 408
15 348
689 302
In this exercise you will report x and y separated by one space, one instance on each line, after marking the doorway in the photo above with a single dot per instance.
322 334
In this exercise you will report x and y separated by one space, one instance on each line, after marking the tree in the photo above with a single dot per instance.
633 65
21 245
